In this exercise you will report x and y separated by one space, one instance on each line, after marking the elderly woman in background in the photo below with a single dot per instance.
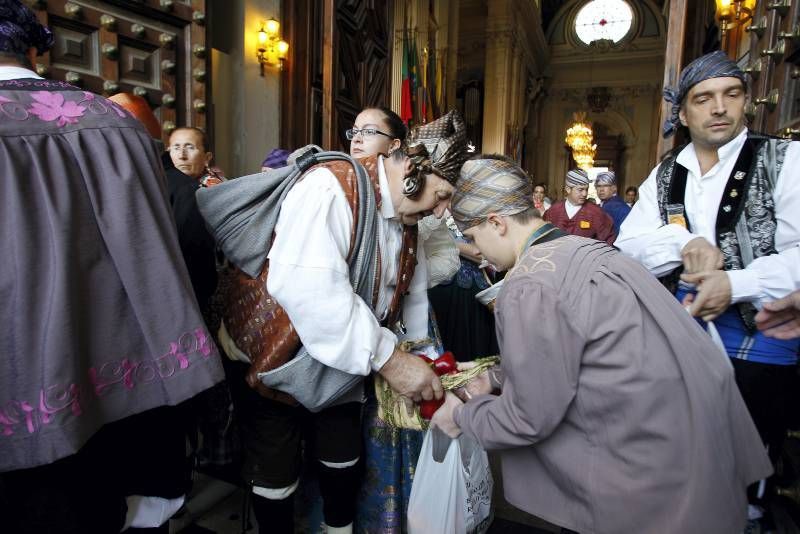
188 149
391 453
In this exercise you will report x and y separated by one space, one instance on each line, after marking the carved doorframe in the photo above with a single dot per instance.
341 63
153 48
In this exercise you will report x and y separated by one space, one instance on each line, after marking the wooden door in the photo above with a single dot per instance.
340 64
775 68
152 48
362 62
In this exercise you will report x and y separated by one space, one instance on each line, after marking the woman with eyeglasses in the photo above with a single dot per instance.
376 131
390 453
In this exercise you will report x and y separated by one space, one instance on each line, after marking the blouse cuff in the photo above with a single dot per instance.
745 285
387 341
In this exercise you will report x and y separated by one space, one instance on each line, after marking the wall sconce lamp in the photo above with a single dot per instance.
272 50
731 13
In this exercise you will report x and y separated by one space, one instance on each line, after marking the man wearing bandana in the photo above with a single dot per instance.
102 338
576 216
611 411
718 221
308 276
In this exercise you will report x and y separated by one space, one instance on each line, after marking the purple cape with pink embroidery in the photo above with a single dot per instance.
98 317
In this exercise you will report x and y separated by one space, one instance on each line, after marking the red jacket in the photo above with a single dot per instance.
590 221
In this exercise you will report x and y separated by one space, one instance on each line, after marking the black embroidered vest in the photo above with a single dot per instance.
745 228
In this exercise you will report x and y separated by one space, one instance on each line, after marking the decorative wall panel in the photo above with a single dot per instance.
152 48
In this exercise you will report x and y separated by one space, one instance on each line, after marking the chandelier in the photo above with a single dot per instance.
584 156
580 133
579 138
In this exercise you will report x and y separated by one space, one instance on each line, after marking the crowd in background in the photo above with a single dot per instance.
288 324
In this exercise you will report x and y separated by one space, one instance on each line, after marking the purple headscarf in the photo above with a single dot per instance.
276 158
20 30
714 65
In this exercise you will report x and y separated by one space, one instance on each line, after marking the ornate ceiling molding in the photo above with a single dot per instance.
614 97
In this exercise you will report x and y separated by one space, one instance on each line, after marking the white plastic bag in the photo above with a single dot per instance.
452 497
712 331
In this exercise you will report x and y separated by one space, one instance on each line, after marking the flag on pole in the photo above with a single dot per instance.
406 100
413 69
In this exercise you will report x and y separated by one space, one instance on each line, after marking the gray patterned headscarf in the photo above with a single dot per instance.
714 65
489 186
439 147
20 30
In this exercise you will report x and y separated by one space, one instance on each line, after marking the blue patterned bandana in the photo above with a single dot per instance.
20 30
605 178
714 65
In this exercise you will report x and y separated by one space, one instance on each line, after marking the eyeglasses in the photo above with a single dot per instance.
365 132
177 149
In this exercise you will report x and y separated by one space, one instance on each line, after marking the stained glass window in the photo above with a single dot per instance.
603 19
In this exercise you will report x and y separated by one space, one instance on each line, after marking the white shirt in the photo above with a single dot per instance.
658 246
8 72
440 248
309 276
571 208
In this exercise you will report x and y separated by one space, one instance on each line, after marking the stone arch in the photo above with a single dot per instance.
616 121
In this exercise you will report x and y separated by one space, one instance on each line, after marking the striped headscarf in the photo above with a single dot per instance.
489 186
714 65
605 178
577 178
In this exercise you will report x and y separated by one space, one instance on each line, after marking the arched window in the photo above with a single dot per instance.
603 19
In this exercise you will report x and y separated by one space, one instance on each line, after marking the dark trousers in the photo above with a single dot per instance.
277 437
144 454
767 392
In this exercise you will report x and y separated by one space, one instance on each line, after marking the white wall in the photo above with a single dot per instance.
246 105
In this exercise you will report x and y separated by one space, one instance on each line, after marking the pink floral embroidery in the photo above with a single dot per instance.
13 110
56 403
51 106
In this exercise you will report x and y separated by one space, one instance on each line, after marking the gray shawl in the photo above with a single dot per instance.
242 215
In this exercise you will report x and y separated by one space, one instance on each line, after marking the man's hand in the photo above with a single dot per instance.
713 294
443 418
698 255
781 319
411 377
